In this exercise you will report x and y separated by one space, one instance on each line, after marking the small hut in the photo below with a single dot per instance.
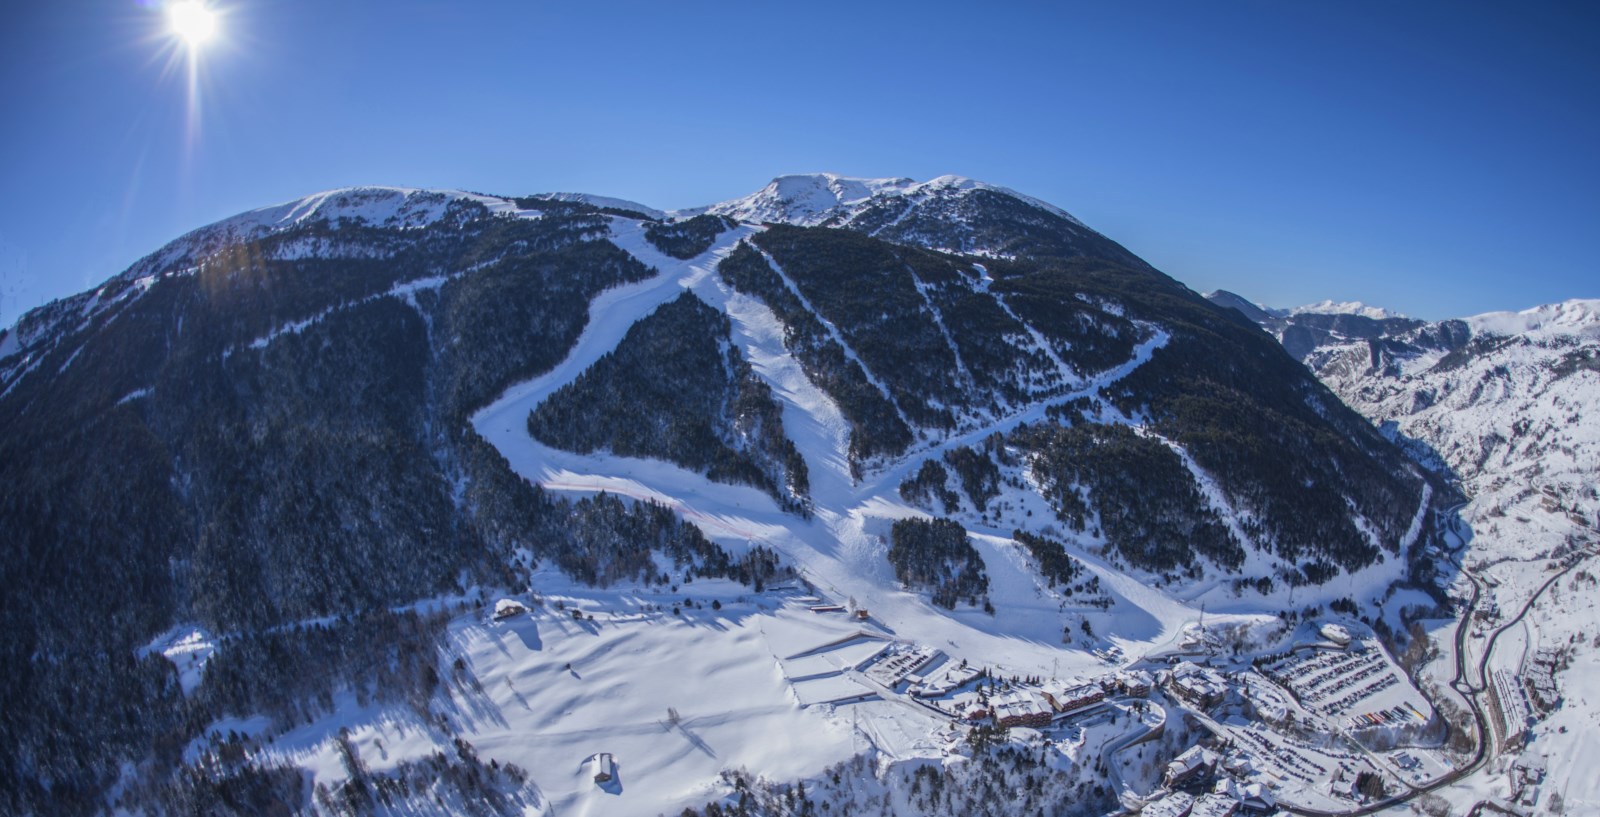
506 608
604 766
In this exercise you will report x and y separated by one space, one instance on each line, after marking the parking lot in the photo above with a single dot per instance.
1359 688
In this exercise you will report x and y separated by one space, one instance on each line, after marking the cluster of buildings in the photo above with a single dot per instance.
1056 699
1540 677
1191 776
1508 705
1203 687
1210 804
1527 773
1023 708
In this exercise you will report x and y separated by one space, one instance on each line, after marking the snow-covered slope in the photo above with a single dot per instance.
1505 409
381 207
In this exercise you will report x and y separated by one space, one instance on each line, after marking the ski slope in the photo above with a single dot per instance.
842 549
547 691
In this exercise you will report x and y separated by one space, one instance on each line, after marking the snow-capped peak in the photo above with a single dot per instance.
814 198
1574 317
807 198
371 205
1331 307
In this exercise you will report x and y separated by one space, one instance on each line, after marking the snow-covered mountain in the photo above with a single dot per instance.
1500 402
816 199
1496 399
306 444
949 213
1332 307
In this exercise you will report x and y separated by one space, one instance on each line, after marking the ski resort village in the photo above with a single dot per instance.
660 694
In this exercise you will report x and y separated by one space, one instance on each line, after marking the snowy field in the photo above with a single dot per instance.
675 698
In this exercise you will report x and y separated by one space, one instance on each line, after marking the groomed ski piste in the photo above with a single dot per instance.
679 685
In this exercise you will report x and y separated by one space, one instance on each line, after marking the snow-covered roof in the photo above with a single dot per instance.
509 607
1020 704
1176 804
1258 793
1192 758
1213 805
1198 679
1335 633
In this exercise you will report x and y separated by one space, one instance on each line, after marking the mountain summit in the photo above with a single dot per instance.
813 199
948 213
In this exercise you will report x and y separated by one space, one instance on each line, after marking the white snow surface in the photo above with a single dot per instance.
372 206
1574 317
188 647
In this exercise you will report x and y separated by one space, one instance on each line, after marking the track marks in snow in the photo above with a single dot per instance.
1210 489
835 335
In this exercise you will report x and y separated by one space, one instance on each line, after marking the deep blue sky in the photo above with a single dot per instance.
1438 158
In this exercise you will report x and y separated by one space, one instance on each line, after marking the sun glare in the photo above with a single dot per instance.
192 22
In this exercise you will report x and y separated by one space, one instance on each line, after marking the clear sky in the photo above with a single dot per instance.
1439 158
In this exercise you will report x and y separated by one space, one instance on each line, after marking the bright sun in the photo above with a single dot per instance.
192 22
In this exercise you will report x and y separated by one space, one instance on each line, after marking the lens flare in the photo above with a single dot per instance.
192 22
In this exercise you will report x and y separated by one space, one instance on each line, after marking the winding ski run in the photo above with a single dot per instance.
842 549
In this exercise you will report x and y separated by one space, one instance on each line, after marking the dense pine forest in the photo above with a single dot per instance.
935 555
677 389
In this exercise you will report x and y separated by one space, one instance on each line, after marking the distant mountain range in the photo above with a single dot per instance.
1498 401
